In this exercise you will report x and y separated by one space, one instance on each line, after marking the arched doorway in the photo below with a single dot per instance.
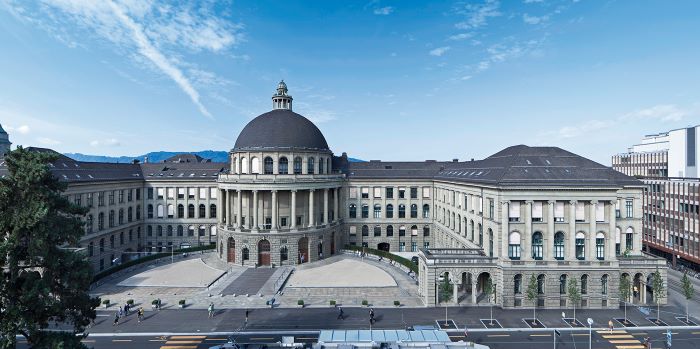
465 287
332 243
320 250
264 252
384 246
638 288
649 290
303 246
480 286
231 251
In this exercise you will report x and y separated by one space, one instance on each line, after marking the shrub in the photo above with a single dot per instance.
154 302
181 302
130 302
300 302
332 302
388 255
397 303
105 302
365 302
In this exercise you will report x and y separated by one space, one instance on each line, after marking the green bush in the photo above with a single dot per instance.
397 303
106 302
403 261
154 302
130 302
365 302
332 302
181 302
300 302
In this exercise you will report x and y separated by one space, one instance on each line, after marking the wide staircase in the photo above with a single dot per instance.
250 282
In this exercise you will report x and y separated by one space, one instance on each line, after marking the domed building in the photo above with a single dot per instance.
281 197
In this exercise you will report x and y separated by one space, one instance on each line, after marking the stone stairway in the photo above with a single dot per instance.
250 282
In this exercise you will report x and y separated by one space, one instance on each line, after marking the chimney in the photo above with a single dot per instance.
455 160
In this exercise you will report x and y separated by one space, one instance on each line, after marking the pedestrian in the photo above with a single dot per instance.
121 313
158 304
140 313
340 313
116 319
211 310
610 326
247 312
126 309
371 315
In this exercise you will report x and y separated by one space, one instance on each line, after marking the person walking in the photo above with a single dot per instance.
116 319
371 316
610 326
211 310
139 313
340 313
247 312
121 313
158 304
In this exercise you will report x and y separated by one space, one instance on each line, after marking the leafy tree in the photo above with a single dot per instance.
42 280
445 289
490 292
657 285
625 286
531 294
574 295
688 292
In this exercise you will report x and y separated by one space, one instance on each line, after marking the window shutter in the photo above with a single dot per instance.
537 209
514 209
559 209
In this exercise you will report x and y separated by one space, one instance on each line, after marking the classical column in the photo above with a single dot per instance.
455 287
473 290
610 239
325 206
274 209
590 241
311 208
226 209
549 235
527 237
293 224
505 228
239 208
255 210
336 213
220 206
571 236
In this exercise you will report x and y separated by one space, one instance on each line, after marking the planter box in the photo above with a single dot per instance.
105 305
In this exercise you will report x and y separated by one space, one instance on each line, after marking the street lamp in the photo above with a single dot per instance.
590 332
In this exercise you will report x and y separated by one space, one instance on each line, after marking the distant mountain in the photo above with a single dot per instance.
158 156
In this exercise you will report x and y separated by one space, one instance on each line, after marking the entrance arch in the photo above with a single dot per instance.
638 288
383 246
480 285
303 246
264 252
231 251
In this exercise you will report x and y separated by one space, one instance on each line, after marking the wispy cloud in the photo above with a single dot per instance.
461 36
534 19
383 11
662 112
48 141
477 15
439 51
148 31
23 129
110 142
532 1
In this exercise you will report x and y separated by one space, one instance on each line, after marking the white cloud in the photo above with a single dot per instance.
439 51
532 1
383 11
47 141
23 129
662 112
477 15
461 36
534 19
110 142
466 77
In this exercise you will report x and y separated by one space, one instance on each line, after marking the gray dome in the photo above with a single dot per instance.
281 129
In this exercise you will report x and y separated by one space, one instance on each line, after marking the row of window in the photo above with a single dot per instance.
202 211
120 196
537 213
190 193
179 230
388 192
537 246
352 213
563 285
377 230
112 221
112 241
402 245
324 165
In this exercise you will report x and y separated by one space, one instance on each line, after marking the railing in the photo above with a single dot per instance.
283 278
273 178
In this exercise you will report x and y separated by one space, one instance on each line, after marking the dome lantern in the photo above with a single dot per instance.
282 100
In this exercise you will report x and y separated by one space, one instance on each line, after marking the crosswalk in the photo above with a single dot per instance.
621 339
182 342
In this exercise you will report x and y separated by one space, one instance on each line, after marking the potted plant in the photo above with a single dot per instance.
397 303
300 303
130 302
181 303
105 303
365 302
154 303
332 302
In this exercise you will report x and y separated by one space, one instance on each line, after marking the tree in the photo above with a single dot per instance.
574 295
43 279
531 294
688 291
490 292
445 289
657 285
625 286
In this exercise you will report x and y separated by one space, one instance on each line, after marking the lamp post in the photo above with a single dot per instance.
590 332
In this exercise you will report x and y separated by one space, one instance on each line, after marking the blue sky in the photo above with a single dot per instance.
390 80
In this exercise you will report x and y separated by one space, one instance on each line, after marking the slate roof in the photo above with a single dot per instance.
514 166
186 158
184 170
280 129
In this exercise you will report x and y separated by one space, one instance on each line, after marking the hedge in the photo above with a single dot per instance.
388 255
149 258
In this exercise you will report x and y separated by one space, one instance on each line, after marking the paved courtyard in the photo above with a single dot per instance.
187 273
341 273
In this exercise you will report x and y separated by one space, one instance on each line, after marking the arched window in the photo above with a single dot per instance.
537 246
180 230
160 211
481 235
629 239
297 165
562 284
149 230
514 245
202 230
149 211
310 167
91 248
130 214
414 230
283 166
584 284
390 230
89 224
377 211
171 211
138 212
426 211
618 238
101 220
604 284
234 165
377 230
320 165
365 211
255 165
244 165
202 211
402 211
284 253
518 284
190 230
414 211
245 254
389 211
212 230
402 231
212 211
365 230
353 211
540 284
559 246
190 211
102 245
580 246
111 218
426 231
159 230
600 246
268 164
169 230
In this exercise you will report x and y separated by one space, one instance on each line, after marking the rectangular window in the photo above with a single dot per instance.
426 245
283 221
414 193
377 192
389 193
514 251
180 193
491 212
150 193
580 212
89 199
628 209
161 193
600 248
130 195
77 199
426 192
213 193
365 193
414 246
121 196
559 211
171 193
202 193
402 246
580 249
111 197
101 198
537 211
191 193
353 193
481 205
600 212
402 193
138 194
514 211
353 230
